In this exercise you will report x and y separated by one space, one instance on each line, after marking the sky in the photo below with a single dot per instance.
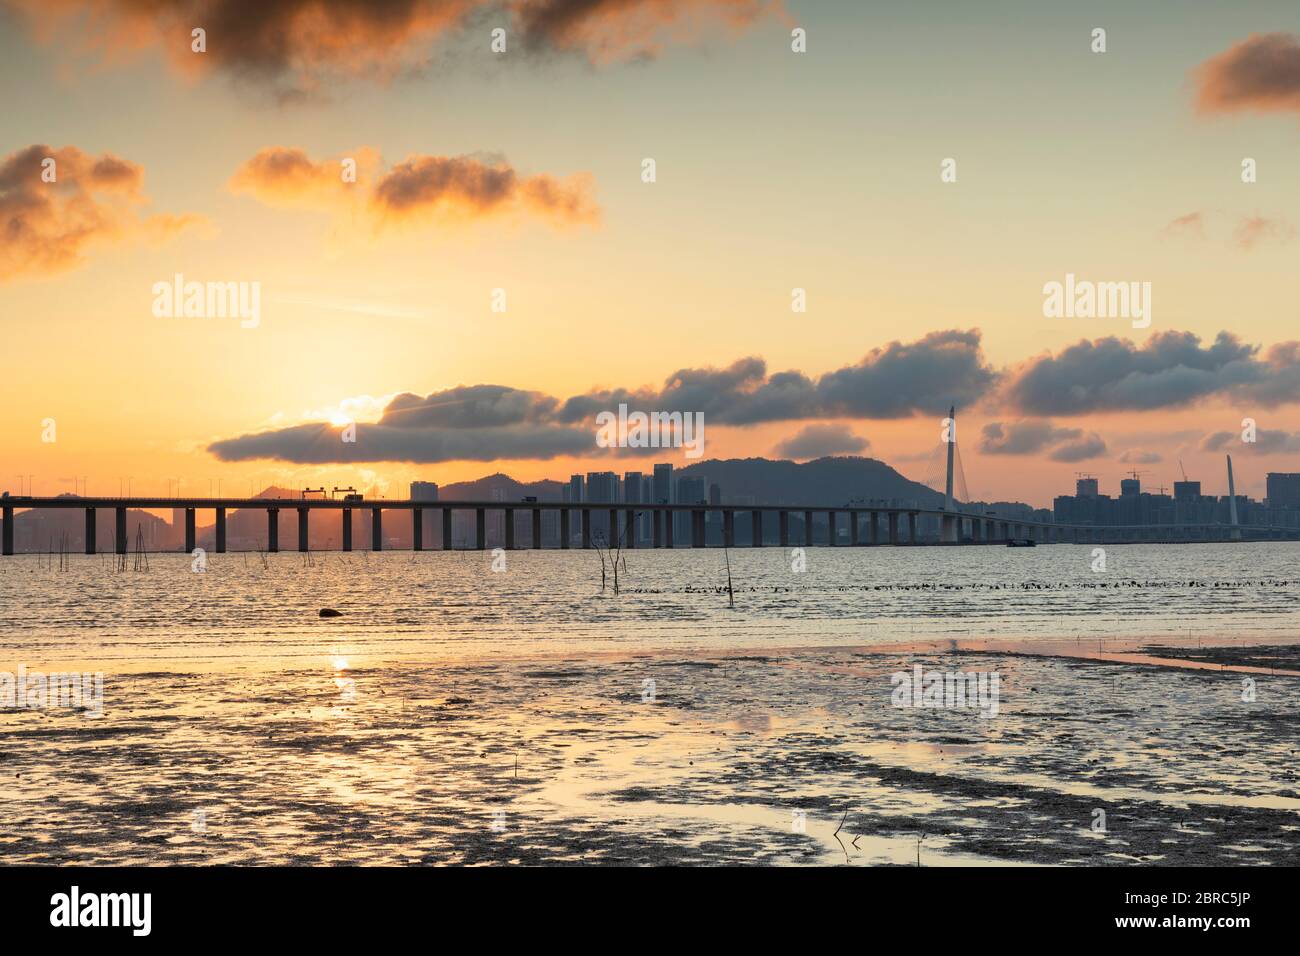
487 178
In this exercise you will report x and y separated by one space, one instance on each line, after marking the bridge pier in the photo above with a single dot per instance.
807 529
480 529
830 528
7 533
756 528
656 529
911 528
510 528
272 530
668 529
564 528
629 528
119 531
537 528
303 531
729 529
783 521
853 529
376 529
586 528
221 531
347 529
90 531
417 529
974 530
697 529
893 527
446 529
189 531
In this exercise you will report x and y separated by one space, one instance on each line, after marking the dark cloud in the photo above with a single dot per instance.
1260 73
296 47
891 382
323 444
1170 369
818 441
1023 437
1088 446
1267 442
420 188
1134 456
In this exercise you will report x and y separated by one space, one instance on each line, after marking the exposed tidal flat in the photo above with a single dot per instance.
454 714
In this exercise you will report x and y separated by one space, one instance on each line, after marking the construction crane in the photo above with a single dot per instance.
1182 469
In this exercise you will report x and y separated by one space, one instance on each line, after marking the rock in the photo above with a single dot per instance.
330 612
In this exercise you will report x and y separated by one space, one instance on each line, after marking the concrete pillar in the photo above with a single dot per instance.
510 528
586 527
668 529
911 528
784 521
7 518
347 529
893 527
376 529
90 531
729 528
417 529
480 529
629 528
221 531
657 529
807 529
853 529
190 534
119 527
697 528
756 528
613 540
537 528
564 527
304 538
272 530
446 529
873 528
975 525
830 528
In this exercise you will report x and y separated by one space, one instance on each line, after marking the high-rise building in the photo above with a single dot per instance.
576 494
1129 487
602 487
632 487
1187 490
663 485
424 491
1086 487
1283 489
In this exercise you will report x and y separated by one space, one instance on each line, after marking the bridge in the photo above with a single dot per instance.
866 524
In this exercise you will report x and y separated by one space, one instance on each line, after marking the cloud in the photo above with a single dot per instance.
1088 446
1267 442
609 30
1191 224
891 382
1260 73
1023 437
818 441
48 226
1029 437
1171 369
1134 456
297 48
1252 230
419 190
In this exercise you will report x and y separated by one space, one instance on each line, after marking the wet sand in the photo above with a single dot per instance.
569 760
